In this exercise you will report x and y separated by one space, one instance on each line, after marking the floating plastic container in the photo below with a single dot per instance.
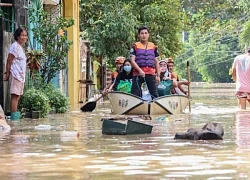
112 127
70 134
43 127
132 127
15 115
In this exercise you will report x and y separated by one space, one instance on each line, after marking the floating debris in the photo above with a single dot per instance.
70 134
43 127
211 131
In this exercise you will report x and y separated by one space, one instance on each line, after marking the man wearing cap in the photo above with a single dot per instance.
144 59
241 75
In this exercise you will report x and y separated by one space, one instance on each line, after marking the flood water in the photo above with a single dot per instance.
32 153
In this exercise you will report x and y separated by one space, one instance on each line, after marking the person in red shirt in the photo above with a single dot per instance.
118 64
144 60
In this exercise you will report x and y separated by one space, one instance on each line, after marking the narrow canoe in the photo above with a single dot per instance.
124 103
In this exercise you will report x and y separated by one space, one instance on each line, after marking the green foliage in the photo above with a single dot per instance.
164 19
245 36
213 39
57 99
34 59
112 33
111 25
243 5
54 46
35 100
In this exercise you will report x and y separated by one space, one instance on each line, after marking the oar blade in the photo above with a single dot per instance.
89 106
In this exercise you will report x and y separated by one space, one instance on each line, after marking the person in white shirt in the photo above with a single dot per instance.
241 75
16 67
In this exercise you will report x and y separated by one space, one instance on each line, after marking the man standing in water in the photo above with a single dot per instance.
144 60
241 75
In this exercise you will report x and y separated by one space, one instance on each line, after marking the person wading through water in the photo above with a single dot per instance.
241 75
144 60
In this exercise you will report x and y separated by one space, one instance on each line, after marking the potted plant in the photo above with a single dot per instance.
57 100
34 59
36 102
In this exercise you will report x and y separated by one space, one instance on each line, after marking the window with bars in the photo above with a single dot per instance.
8 16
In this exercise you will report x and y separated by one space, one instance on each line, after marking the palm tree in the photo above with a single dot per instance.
245 36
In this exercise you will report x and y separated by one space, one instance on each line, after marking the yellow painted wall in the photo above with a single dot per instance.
71 10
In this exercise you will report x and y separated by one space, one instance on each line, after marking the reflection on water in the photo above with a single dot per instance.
242 125
32 153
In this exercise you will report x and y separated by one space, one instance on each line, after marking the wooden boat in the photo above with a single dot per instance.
124 103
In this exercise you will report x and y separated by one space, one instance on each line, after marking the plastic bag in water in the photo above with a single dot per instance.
70 134
43 127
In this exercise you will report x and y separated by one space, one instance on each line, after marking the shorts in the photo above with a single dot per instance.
16 86
243 95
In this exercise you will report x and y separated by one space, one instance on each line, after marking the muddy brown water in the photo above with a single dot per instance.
30 153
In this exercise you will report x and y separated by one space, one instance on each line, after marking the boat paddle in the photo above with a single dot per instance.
91 105
188 71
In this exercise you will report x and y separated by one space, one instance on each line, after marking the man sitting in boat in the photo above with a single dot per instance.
177 90
123 81
168 80
144 59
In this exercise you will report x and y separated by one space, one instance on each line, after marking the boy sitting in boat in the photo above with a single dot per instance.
177 90
123 80
118 65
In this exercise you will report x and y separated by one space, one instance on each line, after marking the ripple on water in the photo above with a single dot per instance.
127 152
190 160
138 158
178 144
198 167
156 156
140 172
222 177
204 172
199 110
133 162
104 166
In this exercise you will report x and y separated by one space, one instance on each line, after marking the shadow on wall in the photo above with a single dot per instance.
7 41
